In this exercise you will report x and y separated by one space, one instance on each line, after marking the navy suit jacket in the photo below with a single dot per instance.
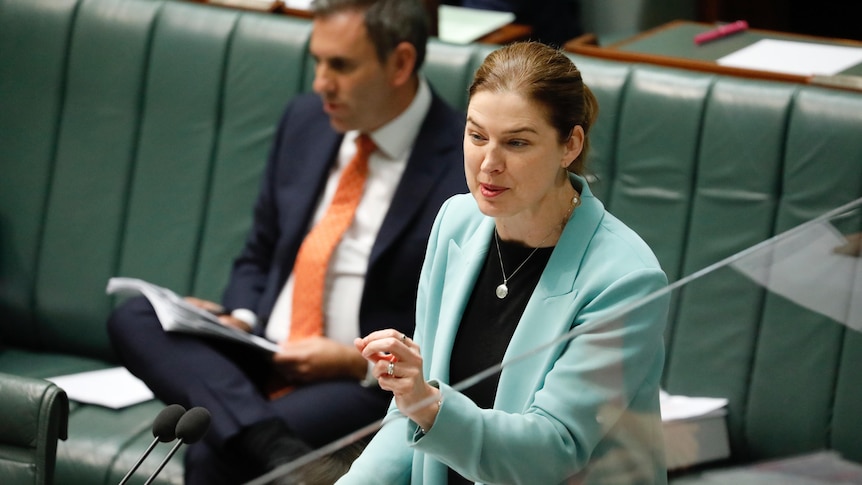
305 149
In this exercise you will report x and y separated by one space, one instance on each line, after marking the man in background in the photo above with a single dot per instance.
374 130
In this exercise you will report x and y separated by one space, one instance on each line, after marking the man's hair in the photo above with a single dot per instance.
388 22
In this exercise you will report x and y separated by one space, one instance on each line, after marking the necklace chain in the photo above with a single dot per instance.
500 255
503 288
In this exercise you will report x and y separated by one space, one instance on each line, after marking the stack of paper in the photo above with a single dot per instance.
819 468
298 4
695 430
791 57
264 5
461 25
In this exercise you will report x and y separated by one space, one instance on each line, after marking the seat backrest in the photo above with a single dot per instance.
33 45
133 138
703 167
33 416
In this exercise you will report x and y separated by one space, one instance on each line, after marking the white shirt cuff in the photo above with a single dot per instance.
369 376
246 316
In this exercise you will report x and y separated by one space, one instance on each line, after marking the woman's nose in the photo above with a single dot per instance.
492 160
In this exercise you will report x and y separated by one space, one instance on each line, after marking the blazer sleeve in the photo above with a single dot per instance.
595 395
388 458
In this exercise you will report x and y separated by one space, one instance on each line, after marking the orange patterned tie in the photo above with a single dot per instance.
309 270
313 258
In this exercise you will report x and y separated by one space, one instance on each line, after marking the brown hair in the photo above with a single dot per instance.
389 22
546 76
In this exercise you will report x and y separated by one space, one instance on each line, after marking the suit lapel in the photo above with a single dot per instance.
424 168
308 171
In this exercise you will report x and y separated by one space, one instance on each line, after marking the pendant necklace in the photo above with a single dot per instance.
502 290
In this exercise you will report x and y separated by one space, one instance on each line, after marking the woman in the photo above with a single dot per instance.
528 256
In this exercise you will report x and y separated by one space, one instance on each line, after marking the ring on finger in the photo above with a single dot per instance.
403 337
390 369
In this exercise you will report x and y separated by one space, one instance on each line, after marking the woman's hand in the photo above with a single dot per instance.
398 368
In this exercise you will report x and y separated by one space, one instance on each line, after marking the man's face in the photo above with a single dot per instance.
355 86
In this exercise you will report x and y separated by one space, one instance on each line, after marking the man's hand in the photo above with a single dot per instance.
853 247
218 310
319 358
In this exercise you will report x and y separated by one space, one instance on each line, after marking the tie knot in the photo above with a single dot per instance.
364 145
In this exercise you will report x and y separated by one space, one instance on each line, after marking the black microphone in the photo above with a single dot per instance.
191 427
164 430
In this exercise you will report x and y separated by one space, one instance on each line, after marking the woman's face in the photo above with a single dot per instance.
513 158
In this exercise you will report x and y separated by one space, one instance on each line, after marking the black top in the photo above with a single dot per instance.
488 322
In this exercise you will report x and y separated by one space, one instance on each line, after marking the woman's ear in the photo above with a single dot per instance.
574 146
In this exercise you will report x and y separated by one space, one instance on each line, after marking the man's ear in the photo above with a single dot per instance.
401 62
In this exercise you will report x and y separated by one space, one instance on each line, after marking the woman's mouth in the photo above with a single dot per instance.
491 191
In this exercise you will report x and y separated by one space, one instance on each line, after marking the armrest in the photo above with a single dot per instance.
35 415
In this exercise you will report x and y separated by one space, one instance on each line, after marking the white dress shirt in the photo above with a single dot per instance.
346 272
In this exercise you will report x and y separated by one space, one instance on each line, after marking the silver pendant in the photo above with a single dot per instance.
502 291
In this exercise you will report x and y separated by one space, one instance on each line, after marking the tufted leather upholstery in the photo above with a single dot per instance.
133 134
33 417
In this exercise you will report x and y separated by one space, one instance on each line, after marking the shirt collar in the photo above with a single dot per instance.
395 139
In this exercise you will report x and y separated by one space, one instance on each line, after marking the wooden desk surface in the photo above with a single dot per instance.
672 44
507 34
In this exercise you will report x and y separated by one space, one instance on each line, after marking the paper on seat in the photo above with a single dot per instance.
461 25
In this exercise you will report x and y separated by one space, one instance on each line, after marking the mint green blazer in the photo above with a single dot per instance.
567 410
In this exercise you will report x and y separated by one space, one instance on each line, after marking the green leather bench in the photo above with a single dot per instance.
35 416
133 134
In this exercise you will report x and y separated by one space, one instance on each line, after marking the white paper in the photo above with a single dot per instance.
114 388
791 57
675 408
460 25
298 4
177 315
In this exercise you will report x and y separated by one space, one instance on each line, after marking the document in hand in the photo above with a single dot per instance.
177 315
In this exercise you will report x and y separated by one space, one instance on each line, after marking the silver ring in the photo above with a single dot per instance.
390 369
403 337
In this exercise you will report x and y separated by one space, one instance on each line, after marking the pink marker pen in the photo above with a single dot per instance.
720 31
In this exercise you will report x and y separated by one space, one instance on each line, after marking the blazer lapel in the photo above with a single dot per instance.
463 265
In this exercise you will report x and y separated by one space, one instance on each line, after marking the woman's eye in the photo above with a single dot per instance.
517 143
